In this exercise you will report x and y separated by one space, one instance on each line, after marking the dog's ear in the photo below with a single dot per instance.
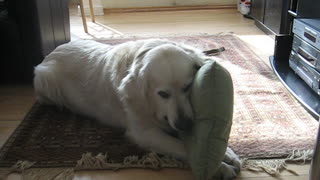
134 87
142 52
140 70
143 82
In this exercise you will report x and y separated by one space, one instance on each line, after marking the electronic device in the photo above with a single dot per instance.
306 72
308 30
305 54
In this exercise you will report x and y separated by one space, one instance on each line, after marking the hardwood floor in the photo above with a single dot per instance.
15 101
159 24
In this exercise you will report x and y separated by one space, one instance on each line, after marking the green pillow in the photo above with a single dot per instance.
212 100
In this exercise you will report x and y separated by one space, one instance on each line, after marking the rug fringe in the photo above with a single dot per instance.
274 167
300 156
19 167
151 160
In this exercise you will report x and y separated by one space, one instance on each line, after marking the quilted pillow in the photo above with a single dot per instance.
212 101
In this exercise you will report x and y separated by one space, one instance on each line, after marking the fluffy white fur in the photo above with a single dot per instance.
142 86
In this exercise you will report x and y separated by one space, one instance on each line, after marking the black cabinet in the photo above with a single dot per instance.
32 30
53 23
283 43
273 12
257 9
272 16
307 9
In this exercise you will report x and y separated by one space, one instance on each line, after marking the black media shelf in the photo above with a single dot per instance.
297 87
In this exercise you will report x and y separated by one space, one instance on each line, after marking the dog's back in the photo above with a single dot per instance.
84 76
76 76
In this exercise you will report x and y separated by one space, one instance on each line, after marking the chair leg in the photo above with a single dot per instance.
84 21
91 11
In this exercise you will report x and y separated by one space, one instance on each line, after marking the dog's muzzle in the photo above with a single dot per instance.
183 123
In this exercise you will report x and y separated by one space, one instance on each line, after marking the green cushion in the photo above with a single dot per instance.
212 100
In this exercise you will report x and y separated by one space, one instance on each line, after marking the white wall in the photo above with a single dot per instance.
158 3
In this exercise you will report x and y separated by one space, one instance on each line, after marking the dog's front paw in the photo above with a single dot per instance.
232 159
230 167
226 172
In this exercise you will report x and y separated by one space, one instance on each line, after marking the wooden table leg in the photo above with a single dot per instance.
91 11
84 21
315 164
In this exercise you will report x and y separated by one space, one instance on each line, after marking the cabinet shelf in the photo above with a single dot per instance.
296 86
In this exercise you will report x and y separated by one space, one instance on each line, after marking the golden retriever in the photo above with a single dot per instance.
142 86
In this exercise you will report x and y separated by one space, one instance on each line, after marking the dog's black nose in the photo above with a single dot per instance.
184 124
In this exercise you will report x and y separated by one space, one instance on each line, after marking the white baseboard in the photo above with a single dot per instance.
97 8
98 11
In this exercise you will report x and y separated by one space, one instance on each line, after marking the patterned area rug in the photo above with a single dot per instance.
268 122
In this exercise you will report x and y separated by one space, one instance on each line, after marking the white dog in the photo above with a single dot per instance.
142 86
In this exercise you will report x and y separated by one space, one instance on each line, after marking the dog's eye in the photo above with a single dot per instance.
164 95
186 88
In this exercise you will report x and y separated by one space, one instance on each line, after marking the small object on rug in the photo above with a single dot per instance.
215 51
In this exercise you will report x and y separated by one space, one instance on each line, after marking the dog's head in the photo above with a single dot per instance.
168 75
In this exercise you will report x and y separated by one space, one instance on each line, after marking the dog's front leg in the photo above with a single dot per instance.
158 141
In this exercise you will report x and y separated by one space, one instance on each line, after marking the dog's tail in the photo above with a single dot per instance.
45 84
